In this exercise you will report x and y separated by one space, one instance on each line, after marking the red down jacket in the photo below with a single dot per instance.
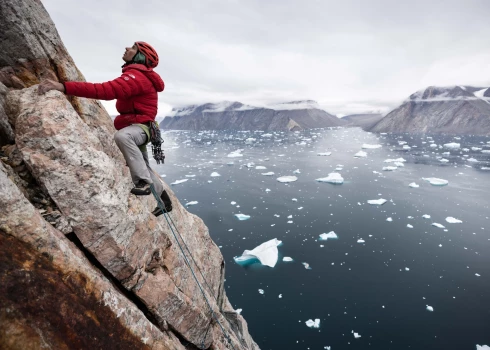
136 91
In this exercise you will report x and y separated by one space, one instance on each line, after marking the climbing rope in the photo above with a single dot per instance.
162 207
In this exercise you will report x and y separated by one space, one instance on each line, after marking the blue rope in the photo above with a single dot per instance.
160 205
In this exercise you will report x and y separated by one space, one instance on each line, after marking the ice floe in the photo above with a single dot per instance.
436 181
215 174
368 146
413 185
333 178
380 201
324 154
287 179
235 154
452 220
360 154
287 259
482 347
429 308
313 324
438 225
266 253
452 145
179 181
242 217
426 216
389 168
270 173
306 265
331 235
361 241
356 335
261 291
191 203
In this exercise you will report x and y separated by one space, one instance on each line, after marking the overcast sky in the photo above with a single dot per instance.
350 56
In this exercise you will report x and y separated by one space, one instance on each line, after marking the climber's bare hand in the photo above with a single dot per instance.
48 85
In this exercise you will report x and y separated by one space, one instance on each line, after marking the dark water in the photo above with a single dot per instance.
351 287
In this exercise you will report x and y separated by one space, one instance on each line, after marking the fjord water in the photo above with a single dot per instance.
379 289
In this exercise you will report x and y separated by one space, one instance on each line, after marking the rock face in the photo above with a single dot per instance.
364 121
82 262
450 110
296 115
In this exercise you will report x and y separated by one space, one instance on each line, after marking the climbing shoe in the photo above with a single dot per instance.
166 202
157 211
142 188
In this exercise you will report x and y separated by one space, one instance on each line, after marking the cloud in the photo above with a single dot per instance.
350 56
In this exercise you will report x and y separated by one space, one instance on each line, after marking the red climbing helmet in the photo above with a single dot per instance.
149 52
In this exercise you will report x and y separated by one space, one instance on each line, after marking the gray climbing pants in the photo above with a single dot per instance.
128 139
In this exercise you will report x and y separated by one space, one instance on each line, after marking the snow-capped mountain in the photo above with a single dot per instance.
295 115
451 110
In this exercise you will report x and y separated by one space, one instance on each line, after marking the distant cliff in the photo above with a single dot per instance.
451 110
83 263
364 121
296 115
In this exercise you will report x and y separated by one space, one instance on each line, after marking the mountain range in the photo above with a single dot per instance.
292 116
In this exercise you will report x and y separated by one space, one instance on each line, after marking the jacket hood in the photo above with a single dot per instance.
153 76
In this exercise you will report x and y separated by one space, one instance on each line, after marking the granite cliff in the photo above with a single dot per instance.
450 110
84 264
292 116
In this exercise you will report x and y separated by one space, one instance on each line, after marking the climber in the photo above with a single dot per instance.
136 92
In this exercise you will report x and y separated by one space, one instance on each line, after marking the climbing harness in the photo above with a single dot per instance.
156 142
161 206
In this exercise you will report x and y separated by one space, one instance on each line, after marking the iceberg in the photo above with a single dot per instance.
361 241
260 167
435 181
331 235
389 219
261 291
409 226
324 154
380 201
429 308
266 253
368 146
215 174
333 178
306 265
297 171
482 347
401 160
242 217
389 168
413 185
438 225
287 259
426 216
313 324
191 203
287 179
360 154
356 335
179 182
452 145
452 220
235 154
270 173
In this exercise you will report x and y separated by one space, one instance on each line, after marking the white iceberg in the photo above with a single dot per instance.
452 145
324 154
260 167
287 259
261 291
360 154
380 201
361 241
215 174
429 308
413 185
235 154
297 171
389 168
191 203
287 179
452 220
179 182
389 219
242 217
426 216
482 347
333 178
313 324
331 235
401 160
356 335
306 265
368 146
435 181
438 225
270 173
266 253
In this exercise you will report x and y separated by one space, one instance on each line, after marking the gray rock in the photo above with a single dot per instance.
450 110
296 115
